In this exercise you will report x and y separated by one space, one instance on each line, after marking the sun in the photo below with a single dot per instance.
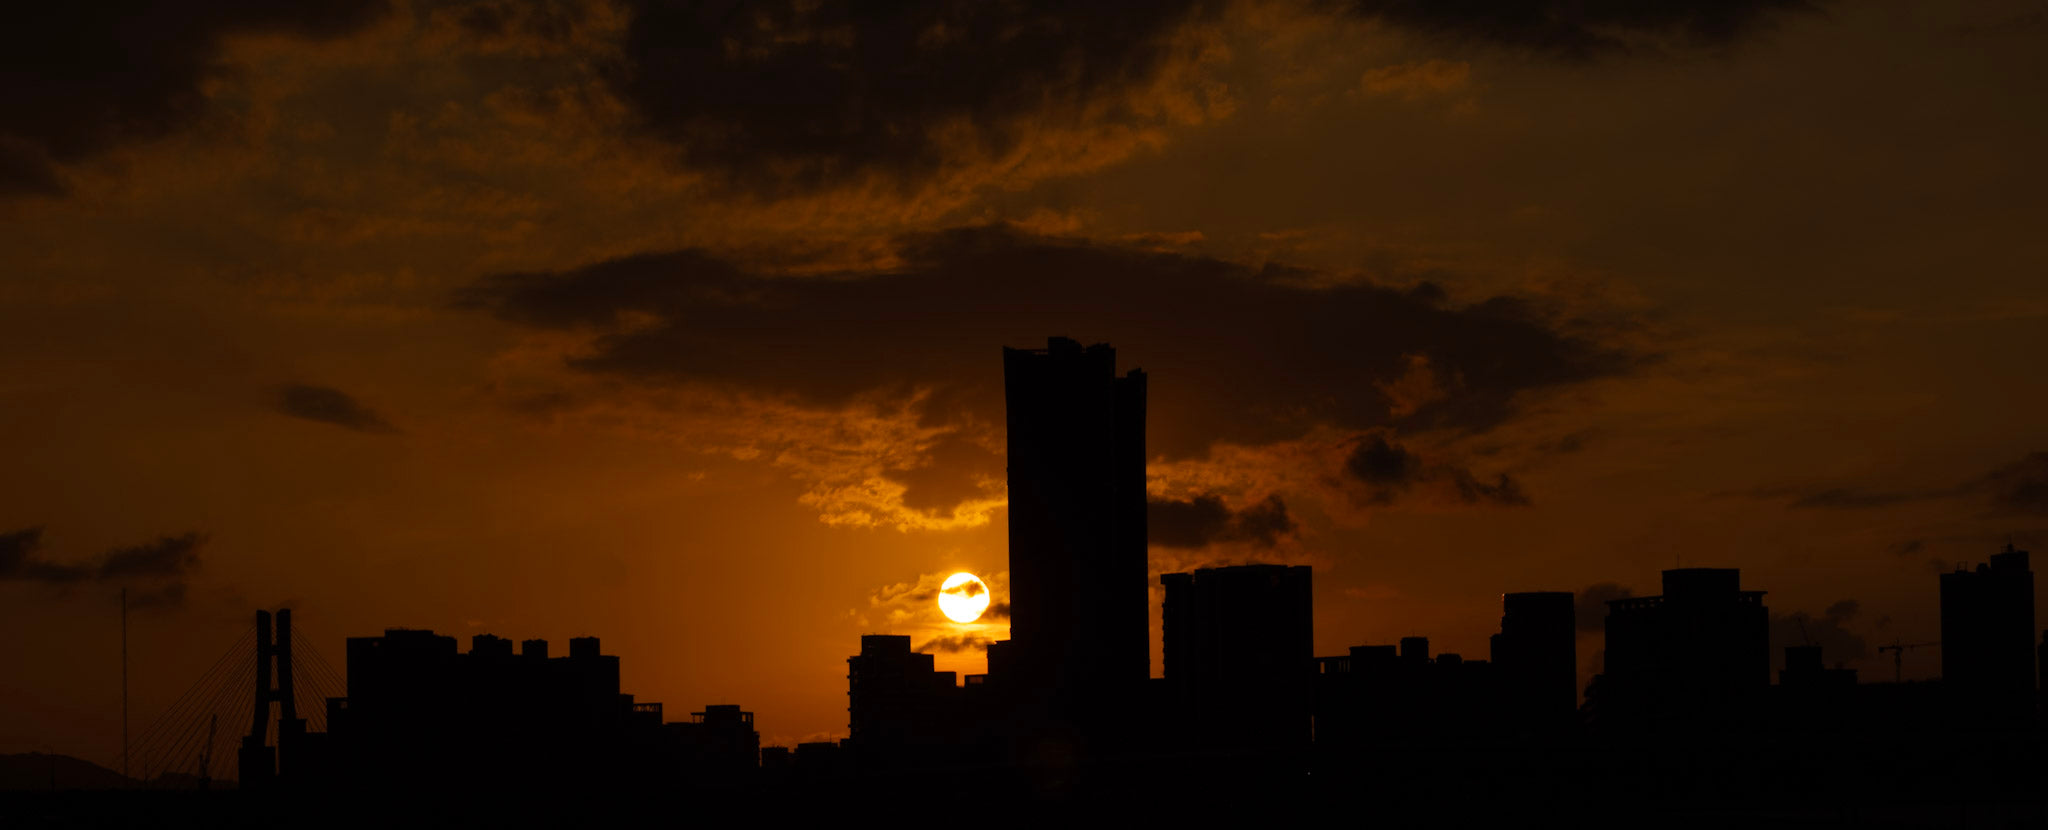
963 597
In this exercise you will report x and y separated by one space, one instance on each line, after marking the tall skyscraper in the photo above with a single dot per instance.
1078 592
1987 637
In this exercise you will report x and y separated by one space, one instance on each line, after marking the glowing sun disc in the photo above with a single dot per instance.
963 597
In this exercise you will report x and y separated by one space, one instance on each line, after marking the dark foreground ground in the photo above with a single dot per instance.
1986 782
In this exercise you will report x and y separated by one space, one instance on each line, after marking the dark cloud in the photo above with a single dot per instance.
80 79
17 546
597 295
1385 467
925 590
1589 608
159 598
549 23
1568 444
773 96
543 403
155 572
1842 611
2016 489
20 560
330 406
1206 520
2019 488
1841 498
1578 29
1211 332
952 473
789 95
949 645
1265 522
1187 524
793 94
1829 631
969 589
170 557
1909 547
1503 491
996 611
1386 470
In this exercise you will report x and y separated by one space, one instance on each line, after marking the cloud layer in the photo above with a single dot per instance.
1578 29
1384 472
1210 330
918 337
156 572
2016 489
2019 488
1206 520
82 79
781 97
788 94
330 406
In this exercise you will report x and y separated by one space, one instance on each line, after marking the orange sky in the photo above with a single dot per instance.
683 329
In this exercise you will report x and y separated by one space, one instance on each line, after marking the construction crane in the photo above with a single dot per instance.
1898 651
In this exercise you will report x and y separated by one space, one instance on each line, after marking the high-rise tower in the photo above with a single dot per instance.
1987 638
1078 577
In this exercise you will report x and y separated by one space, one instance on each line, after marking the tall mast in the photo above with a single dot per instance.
124 682
206 754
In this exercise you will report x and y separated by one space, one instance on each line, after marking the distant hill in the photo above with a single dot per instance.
42 771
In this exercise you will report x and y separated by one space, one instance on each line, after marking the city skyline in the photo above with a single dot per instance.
679 324
1245 712
1226 633
1241 695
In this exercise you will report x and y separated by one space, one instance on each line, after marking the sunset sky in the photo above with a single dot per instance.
680 324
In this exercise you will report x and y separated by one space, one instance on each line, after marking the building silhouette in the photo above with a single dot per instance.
2041 665
1240 656
1536 658
717 747
899 708
1810 697
1381 698
1987 638
1079 653
1697 657
419 714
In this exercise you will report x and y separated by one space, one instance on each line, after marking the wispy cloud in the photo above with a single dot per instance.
328 405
